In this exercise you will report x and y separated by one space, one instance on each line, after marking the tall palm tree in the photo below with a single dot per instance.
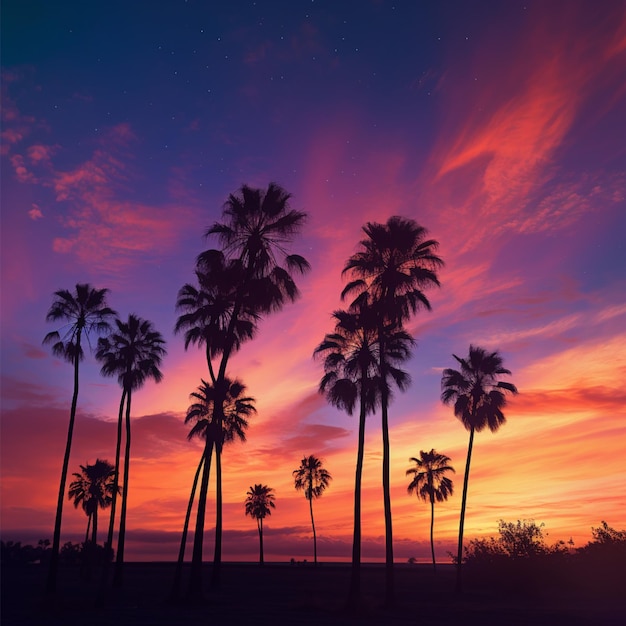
84 311
312 479
257 228
133 353
431 484
259 504
93 489
395 264
478 397
236 409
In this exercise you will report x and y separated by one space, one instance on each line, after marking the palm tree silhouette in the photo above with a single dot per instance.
313 479
85 311
430 484
478 398
350 356
237 408
395 264
259 505
257 228
93 489
133 353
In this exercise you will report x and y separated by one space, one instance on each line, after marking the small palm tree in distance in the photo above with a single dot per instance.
430 484
312 479
93 489
259 504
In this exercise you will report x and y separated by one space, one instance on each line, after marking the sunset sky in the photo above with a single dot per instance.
499 126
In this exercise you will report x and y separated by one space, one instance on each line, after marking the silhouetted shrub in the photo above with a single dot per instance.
518 559
13 553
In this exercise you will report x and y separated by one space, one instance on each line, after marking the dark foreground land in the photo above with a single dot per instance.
302 594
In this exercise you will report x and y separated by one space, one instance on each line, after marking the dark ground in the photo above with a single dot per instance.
285 594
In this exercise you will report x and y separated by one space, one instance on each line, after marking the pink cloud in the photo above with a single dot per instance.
38 153
35 213
21 172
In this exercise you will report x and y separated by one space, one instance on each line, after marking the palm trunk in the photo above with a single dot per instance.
51 583
94 531
259 524
459 579
183 541
195 579
108 546
217 555
384 396
88 528
118 577
87 552
313 525
432 527
389 572
355 576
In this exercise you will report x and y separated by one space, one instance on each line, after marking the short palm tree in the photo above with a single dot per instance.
478 397
236 409
84 311
259 504
93 489
394 266
431 484
133 353
312 479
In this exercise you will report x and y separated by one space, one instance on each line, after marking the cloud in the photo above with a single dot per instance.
35 213
495 162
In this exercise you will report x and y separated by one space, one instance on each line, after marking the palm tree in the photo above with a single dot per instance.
395 264
134 354
478 398
430 484
236 409
85 311
93 489
258 226
259 505
313 479
350 376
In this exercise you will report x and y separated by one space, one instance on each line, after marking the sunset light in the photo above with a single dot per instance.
497 126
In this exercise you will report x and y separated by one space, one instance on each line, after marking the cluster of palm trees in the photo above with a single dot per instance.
133 352
249 275
362 358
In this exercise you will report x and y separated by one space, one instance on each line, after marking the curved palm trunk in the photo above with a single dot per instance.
432 528
259 525
51 583
195 578
459 579
217 555
355 575
183 541
313 525
108 546
118 576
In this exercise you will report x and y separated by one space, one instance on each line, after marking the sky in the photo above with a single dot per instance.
498 126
